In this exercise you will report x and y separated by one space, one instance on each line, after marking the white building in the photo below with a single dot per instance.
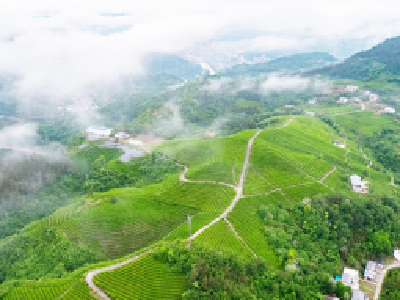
339 144
370 270
390 110
122 135
350 278
136 142
366 93
373 97
312 101
397 254
356 294
358 185
342 100
310 113
351 88
102 132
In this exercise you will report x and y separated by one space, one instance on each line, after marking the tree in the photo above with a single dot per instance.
381 243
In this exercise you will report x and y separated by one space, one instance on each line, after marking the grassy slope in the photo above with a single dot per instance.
198 221
327 109
365 123
248 225
139 217
293 151
299 153
220 237
218 159
142 279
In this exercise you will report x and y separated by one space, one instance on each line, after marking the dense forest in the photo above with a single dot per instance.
379 62
385 146
345 231
197 106
35 187
391 287
217 275
290 63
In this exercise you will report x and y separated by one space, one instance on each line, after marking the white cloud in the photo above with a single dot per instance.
218 84
60 50
276 83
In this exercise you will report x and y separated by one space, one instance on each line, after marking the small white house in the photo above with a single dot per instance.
358 185
312 101
209 133
339 144
102 132
397 254
373 97
342 100
136 142
356 294
370 270
350 278
122 135
367 93
351 88
310 113
390 110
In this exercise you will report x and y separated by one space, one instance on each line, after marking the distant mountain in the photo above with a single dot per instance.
380 62
172 65
290 63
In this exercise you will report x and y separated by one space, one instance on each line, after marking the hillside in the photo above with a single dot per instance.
380 62
284 169
290 63
170 64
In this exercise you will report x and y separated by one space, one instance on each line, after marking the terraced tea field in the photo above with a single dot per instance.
145 278
221 237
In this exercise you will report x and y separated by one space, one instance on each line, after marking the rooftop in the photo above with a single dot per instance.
352 272
99 128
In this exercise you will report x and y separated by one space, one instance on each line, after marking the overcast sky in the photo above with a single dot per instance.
62 46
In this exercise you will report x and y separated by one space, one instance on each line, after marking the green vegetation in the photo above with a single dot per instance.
31 292
378 63
145 278
298 193
364 123
199 220
220 237
292 63
59 130
98 228
284 157
329 109
247 224
332 231
211 159
216 275
390 288
380 85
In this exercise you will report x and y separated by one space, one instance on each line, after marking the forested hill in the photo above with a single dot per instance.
172 65
290 63
380 62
